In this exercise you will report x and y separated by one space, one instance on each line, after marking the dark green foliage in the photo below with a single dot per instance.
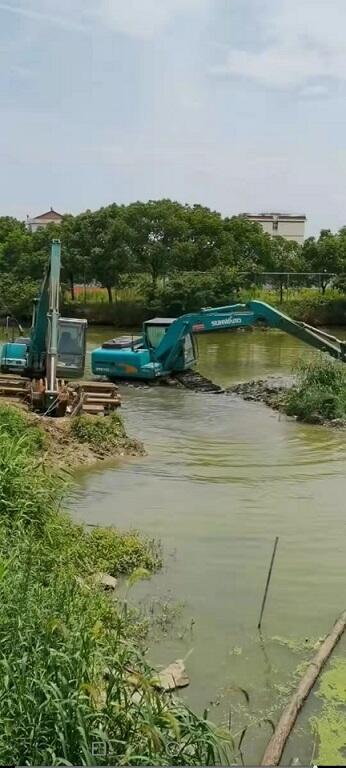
160 247
189 292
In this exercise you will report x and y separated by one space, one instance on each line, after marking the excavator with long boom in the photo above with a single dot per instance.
38 369
168 347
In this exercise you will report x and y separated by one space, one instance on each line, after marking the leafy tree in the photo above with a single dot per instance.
112 253
323 256
78 235
249 248
158 228
285 257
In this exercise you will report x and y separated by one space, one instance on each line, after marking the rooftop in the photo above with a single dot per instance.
51 215
274 214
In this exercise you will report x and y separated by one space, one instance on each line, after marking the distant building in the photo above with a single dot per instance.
39 222
288 225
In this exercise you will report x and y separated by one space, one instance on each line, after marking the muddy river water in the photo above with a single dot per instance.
221 479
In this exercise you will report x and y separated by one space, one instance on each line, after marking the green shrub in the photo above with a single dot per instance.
101 549
98 431
320 393
314 405
189 292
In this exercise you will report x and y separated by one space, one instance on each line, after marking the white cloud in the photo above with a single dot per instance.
305 42
144 18
35 14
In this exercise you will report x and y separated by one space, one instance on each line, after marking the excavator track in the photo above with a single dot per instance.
197 383
185 380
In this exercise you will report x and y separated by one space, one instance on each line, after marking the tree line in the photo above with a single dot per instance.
161 240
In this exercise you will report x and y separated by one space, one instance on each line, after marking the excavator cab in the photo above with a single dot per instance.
186 348
71 348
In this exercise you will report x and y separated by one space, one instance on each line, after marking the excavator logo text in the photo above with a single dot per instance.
226 321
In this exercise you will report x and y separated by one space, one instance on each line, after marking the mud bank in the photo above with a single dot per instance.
64 449
273 392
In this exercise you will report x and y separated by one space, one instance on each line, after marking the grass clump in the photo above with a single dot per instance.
101 549
75 685
99 431
14 423
320 392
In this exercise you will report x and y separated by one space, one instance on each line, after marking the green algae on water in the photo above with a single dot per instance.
330 725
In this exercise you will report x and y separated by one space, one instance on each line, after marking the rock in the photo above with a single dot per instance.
106 581
338 422
174 676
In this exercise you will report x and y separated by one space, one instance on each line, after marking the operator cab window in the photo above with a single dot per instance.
155 334
71 344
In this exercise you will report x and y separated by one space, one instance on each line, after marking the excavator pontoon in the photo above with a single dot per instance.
43 369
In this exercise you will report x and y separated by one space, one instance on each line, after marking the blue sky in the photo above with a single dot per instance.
236 104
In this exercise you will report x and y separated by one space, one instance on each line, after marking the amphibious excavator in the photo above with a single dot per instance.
40 368
168 346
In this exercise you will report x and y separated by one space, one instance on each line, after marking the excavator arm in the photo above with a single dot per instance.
316 338
242 316
44 330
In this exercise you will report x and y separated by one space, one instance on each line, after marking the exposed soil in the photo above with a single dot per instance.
65 451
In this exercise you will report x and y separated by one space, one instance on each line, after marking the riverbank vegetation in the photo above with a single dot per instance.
314 394
122 263
319 394
75 685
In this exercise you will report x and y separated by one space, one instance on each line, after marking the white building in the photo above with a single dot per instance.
39 222
288 225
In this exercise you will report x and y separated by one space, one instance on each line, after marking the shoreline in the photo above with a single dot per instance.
272 391
64 450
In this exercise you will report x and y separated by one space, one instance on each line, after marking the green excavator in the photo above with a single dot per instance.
167 346
44 368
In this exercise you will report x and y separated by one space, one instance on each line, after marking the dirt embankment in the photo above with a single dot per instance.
272 391
64 449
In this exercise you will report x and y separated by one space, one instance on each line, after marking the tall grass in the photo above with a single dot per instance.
75 686
320 393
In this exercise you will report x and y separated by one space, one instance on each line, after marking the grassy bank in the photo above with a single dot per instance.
307 305
71 657
319 394
84 440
